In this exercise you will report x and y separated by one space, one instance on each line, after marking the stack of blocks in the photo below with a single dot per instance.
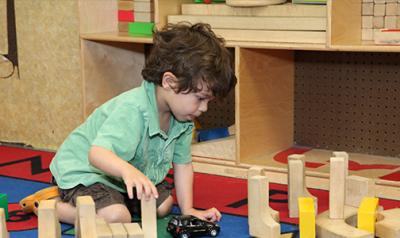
136 17
378 15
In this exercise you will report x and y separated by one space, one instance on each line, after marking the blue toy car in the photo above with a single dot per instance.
190 226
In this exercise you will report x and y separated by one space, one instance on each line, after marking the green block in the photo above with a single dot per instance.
4 203
140 28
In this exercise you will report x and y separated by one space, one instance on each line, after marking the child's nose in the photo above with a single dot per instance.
203 106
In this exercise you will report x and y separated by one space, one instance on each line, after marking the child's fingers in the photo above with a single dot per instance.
129 190
139 191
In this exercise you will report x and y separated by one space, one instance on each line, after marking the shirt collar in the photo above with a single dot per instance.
154 122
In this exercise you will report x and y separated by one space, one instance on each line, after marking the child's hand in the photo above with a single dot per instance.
211 214
134 178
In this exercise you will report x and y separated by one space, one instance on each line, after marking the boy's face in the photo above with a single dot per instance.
187 106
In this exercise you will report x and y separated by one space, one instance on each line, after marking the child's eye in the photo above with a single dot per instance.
200 98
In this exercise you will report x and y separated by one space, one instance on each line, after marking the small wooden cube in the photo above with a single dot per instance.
367 34
391 9
378 22
368 9
379 10
367 22
390 22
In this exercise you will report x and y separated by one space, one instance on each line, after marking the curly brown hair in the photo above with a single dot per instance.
191 53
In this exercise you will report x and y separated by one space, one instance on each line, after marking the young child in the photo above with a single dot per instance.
125 148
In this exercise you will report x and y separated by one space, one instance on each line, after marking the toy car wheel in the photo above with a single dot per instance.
184 235
213 233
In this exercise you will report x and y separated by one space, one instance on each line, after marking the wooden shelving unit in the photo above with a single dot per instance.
264 118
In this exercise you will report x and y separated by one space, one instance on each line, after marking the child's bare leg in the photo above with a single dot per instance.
165 208
66 212
115 213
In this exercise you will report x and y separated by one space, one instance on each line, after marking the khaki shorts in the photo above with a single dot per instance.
104 196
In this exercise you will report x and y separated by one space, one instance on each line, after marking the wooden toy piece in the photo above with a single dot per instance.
118 230
85 222
133 230
340 228
344 155
337 185
102 229
3 227
357 188
4 203
261 223
48 224
367 213
388 224
256 170
252 3
149 217
306 217
297 184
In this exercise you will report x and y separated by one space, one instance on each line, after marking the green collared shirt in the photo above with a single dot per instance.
129 126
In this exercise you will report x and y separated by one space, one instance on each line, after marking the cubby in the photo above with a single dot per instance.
264 96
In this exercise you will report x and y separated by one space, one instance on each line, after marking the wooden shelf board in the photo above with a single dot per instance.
116 37
367 47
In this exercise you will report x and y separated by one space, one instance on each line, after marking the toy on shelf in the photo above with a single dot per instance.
188 226
209 1
253 3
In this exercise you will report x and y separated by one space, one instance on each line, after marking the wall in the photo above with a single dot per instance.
42 106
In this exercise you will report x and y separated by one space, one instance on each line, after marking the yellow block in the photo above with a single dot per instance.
306 217
367 213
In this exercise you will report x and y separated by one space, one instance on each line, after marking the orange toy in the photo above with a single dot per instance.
31 203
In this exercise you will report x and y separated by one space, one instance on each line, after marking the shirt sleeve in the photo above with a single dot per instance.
183 152
121 132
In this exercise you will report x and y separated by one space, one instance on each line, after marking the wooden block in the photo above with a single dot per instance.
261 223
379 10
379 22
379 1
398 21
118 230
220 148
398 9
367 213
144 16
357 188
48 224
143 6
367 34
125 16
102 229
149 218
133 230
123 26
339 228
345 155
85 222
125 5
3 226
253 3
367 22
387 36
281 10
390 22
368 9
388 224
297 184
391 9
367 1
317 37
254 171
306 217
337 185
255 23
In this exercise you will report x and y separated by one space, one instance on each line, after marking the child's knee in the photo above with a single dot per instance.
165 208
116 213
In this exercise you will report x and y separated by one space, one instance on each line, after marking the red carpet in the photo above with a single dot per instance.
229 195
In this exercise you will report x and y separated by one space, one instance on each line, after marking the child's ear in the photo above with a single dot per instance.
169 81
